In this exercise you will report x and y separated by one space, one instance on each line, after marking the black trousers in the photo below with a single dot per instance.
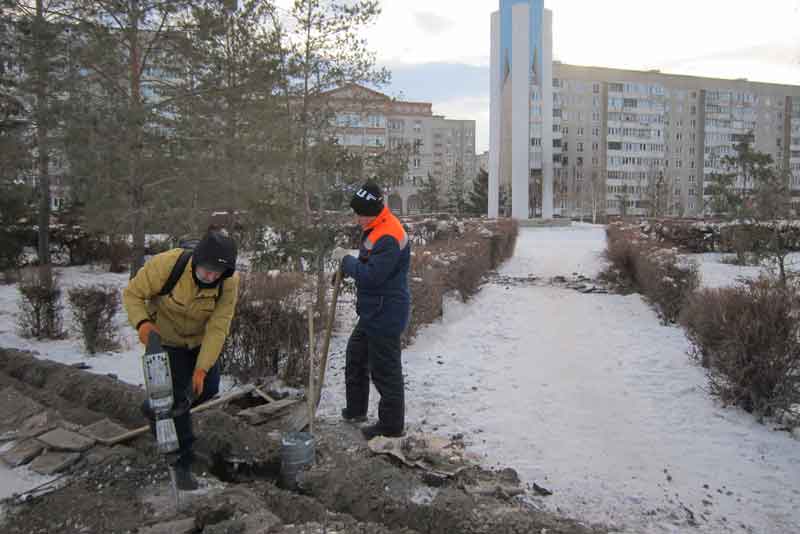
379 358
182 362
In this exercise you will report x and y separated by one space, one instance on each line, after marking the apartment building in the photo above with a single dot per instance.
368 121
648 143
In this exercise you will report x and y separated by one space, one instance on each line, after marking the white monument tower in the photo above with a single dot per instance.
521 105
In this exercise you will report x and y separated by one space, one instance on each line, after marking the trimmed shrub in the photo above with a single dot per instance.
455 263
748 339
40 304
269 331
638 264
94 309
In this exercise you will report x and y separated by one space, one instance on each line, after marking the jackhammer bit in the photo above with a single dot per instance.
160 405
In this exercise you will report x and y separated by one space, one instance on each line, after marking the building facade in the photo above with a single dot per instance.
656 140
578 141
370 122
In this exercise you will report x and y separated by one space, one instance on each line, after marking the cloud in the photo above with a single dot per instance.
431 23
436 82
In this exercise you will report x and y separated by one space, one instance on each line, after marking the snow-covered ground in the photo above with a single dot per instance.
126 363
716 273
591 397
585 394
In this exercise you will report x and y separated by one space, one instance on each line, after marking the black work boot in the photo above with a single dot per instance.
371 431
347 418
184 478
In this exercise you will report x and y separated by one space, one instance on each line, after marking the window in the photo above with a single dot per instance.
536 141
565 130
416 163
595 132
595 147
595 116
580 147
580 132
614 145
596 88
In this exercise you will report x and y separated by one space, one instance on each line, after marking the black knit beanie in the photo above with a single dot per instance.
368 200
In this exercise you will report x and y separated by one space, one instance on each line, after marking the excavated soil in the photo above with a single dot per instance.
125 488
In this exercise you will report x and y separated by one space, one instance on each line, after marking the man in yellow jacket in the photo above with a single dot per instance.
193 320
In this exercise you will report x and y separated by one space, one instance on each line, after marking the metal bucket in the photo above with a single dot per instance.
297 455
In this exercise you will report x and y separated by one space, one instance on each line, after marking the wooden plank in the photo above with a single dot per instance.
326 343
245 390
265 412
260 392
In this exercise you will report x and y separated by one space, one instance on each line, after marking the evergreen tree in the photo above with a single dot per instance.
127 52
478 202
322 50
35 70
429 194
456 198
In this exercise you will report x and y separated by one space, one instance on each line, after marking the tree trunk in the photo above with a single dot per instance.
135 123
42 133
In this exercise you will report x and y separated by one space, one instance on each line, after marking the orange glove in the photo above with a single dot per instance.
144 331
198 380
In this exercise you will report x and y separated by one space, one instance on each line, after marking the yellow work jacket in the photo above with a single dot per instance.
189 316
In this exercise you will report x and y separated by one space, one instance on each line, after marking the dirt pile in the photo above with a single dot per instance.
125 489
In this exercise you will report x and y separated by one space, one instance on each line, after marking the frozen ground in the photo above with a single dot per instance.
587 395
591 397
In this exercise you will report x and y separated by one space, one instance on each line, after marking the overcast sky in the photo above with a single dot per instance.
438 50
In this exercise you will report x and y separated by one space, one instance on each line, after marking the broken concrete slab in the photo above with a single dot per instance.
16 407
40 423
54 462
65 440
180 526
103 430
22 453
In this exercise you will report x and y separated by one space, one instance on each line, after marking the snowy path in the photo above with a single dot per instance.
590 396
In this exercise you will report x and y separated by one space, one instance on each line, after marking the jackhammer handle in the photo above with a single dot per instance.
153 343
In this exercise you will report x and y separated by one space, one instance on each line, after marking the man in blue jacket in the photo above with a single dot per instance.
383 304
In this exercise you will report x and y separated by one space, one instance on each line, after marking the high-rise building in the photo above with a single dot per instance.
656 140
574 141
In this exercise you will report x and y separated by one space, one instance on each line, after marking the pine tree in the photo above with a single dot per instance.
127 51
429 194
478 202
323 50
36 72
456 201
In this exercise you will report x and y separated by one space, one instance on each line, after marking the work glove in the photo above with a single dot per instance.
144 331
198 381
